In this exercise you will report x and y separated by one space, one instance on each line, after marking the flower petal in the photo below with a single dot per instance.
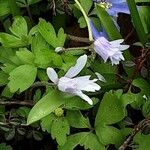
73 71
100 77
84 97
52 75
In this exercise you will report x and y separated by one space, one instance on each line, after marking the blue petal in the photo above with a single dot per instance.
94 30
116 1
116 8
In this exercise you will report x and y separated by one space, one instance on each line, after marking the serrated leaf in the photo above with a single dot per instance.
22 78
44 56
86 139
48 33
11 41
3 78
46 122
60 129
77 120
45 106
19 27
111 111
25 56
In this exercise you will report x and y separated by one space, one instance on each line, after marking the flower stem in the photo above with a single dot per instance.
86 19
76 48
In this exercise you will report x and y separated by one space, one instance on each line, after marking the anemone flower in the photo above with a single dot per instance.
75 85
113 7
108 50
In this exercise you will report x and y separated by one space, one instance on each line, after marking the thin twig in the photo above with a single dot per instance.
136 129
23 103
128 35
78 39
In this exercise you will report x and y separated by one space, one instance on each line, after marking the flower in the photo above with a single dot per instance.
113 7
104 48
75 85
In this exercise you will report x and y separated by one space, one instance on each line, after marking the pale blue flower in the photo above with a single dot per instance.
108 50
113 7
75 85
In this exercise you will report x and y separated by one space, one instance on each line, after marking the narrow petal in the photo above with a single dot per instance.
116 42
73 71
52 75
100 77
84 97
123 47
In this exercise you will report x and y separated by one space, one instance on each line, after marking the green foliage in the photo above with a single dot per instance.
48 33
19 37
3 146
142 141
21 74
60 129
115 103
77 120
86 139
45 106
108 25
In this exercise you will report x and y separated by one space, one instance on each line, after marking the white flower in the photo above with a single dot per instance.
75 85
112 50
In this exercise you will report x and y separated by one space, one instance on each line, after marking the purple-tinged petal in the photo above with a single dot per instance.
73 71
52 75
116 8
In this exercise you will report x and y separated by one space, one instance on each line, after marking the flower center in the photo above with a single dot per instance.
105 4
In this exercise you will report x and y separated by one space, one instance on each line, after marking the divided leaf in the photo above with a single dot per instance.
86 139
22 77
60 129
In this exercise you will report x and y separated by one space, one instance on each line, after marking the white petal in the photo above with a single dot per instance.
123 47
84 97
73 71
100 77
116 42
52 75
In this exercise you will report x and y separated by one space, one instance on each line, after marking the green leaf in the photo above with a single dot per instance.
48 33
137 21
144 13
86 4
108 25
45 106
60 129
25 56
3 146
142 141
44 56
22 78
76 103
111 111
82 22
19 27
86 139
46 122
32 1
77 120
11 41
4 7
3 78
143 85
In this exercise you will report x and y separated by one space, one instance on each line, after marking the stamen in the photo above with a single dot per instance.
105 4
